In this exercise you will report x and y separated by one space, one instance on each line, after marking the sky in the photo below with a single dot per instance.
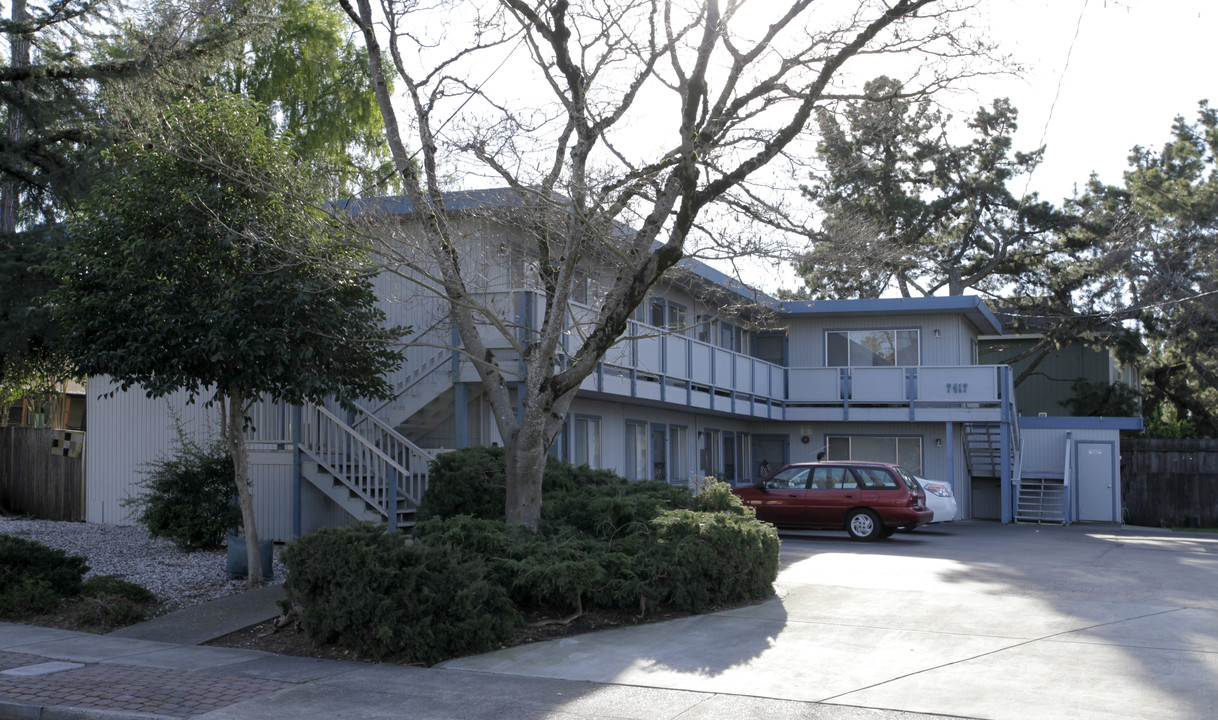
1135 66
1125 70
1098 78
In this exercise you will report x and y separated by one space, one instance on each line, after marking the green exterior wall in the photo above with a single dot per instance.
1051 381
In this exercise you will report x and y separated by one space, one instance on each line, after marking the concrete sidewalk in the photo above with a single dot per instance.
969 620
49 674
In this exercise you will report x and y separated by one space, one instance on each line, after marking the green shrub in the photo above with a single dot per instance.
699 560
471 481
715 495
537 570
21 558
564 477
188 497
102 586
35 578
107 611
382 597
608 509
604 540
27 596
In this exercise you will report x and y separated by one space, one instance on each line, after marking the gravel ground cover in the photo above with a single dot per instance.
178 579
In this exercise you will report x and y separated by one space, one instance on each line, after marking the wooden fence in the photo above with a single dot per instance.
33 481
1170 483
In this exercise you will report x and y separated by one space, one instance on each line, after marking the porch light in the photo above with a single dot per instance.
938 334
938 442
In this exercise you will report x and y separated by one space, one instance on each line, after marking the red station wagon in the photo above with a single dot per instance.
868 500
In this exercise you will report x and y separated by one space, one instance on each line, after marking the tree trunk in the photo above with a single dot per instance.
234 436
16 122
527 445
526 464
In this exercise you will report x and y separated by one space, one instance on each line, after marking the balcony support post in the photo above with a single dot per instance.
1004 445
297 472
461 414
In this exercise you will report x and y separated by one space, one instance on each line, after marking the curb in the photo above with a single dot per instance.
10 710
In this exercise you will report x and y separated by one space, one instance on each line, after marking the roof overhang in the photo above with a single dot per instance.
972 307
1081 423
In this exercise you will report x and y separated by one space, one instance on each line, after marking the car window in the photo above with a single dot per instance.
875 478
910 481
833 478
794 477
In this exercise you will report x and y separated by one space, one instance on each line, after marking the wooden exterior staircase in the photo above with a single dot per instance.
365 467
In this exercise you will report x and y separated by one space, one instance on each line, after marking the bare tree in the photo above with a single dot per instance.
631 129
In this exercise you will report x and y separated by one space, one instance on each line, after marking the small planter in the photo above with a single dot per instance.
238 564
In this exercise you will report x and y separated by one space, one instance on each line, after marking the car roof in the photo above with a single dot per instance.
850 463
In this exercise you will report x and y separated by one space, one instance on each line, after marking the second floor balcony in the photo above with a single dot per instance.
655 365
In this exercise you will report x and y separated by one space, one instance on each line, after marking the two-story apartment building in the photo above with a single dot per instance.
711 378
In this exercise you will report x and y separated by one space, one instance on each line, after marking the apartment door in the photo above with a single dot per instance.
771 449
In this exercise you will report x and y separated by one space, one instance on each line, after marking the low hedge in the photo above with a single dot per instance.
467 579
384 597
35 578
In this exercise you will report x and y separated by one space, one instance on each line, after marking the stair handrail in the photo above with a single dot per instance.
439 351
415 460
1017 475
356 451
1066 478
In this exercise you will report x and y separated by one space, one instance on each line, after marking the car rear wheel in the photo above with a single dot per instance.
864 525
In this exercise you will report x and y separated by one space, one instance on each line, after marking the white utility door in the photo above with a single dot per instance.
1097 475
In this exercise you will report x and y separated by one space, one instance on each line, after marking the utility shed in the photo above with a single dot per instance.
1071 469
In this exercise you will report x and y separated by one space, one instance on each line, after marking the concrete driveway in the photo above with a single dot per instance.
969 619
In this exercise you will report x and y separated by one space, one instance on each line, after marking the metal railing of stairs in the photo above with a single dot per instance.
1041 500
382 469
1045 500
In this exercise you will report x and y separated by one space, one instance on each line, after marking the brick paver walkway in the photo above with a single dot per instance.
132 688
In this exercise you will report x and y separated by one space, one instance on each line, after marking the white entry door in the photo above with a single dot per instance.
1097 476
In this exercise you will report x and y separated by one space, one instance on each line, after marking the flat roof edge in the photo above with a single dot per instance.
1081 423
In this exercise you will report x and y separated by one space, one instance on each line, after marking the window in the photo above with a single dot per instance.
636 451
678 453
795 478
877 478
744 455
736 456
657 312
729 456
587 449
861 348
659 453
743 338
676 317
726 335
579 293
710 459
903 451
833 478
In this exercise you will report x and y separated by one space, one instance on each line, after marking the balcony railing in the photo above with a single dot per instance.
952 384
657 364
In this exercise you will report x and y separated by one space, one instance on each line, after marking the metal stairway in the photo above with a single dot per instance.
1040 500
983 449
